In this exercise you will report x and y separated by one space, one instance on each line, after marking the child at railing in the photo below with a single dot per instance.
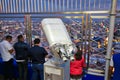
76 66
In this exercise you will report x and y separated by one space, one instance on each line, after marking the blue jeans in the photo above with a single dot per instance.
38 72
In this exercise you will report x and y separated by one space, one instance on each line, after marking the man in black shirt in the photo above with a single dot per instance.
21 49
37 55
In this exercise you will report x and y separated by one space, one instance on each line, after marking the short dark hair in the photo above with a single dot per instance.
8 37
36 41
19 37
78 55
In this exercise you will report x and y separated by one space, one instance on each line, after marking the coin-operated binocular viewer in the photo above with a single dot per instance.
61 47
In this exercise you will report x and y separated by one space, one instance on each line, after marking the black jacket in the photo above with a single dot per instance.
21 49
37 54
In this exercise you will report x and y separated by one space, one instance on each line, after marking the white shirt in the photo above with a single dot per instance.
5 46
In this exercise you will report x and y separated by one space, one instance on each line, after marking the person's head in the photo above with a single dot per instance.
78 55
20 38
37 41
8 38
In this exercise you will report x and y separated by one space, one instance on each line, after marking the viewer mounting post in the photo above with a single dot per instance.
110 37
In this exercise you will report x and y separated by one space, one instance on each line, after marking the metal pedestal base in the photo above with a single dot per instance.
56 72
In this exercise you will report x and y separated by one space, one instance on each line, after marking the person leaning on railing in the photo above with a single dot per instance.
77 66
37 55
6 51
21 50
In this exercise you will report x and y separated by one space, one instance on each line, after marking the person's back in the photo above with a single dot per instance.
76 66
37 55
116 63
21 50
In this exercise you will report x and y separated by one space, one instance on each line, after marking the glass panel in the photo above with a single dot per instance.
98 45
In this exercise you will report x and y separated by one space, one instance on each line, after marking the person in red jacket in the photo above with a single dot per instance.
76 66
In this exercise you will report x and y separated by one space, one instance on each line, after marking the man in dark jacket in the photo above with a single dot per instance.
21 49
37 55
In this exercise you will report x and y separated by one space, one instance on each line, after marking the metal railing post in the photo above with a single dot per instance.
110 37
